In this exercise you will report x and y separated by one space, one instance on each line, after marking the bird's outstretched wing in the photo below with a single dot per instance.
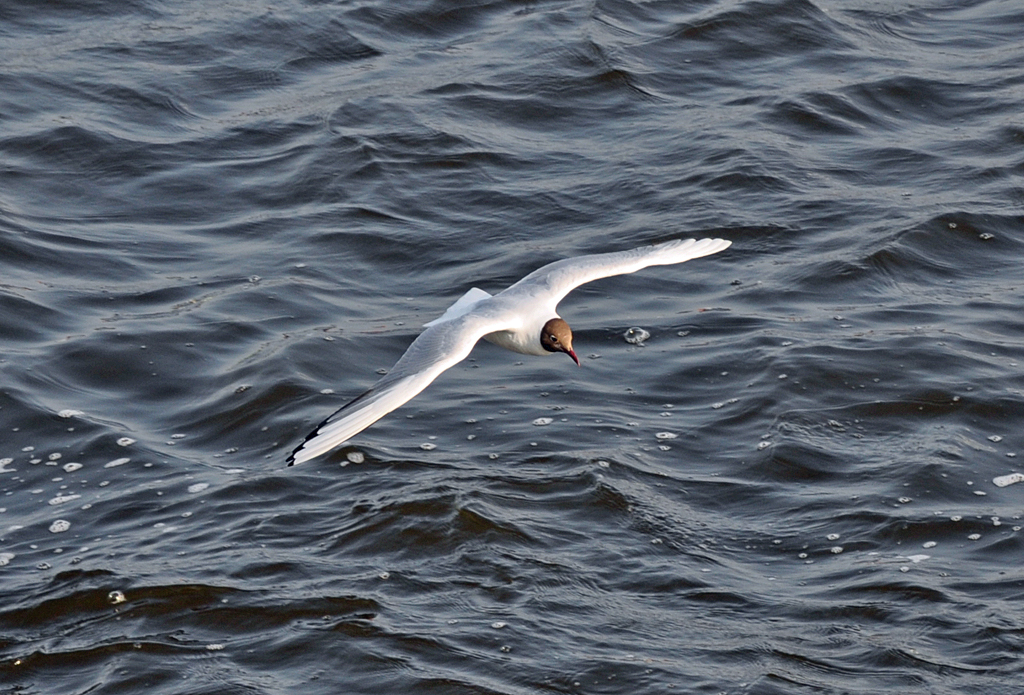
439 347
449 340
555 280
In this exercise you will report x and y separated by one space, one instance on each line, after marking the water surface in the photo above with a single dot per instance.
220 222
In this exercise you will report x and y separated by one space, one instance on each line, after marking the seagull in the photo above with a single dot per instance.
522 319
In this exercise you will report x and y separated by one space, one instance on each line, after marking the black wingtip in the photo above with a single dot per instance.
291 457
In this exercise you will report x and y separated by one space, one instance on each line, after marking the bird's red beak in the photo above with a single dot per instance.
572 353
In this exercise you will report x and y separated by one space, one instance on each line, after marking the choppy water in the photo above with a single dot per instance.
212 214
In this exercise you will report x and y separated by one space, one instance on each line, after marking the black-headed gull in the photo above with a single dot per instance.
522 319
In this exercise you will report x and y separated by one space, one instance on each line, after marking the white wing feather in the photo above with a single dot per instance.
436 349
555 280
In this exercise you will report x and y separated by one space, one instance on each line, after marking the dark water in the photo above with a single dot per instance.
212 215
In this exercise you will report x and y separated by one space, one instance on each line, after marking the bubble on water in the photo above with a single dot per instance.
355 456
1000 481
974 536
125 441
904 568
71 467
956 517
178 436
61 499
636 335
116 462
28 448
60 526
995 438
836 549
197 487
603 464
763 445
428 446
918 558
54 456
492 456
69 413
497 625
384 575
3 465
115 597
832 536
980 493
929 544
5 558
214 647
905 500
665 435
717 406
541 421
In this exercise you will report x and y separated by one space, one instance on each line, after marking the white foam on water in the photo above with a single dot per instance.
1002 480
116 462
60 526
636 335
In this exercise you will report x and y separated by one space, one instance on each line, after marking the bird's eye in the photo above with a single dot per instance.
553 338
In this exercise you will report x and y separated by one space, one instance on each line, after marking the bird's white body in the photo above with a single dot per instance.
513 319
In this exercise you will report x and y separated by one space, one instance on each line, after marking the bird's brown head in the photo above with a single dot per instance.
556 336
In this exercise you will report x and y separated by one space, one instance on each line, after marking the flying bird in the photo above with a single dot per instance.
522 318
